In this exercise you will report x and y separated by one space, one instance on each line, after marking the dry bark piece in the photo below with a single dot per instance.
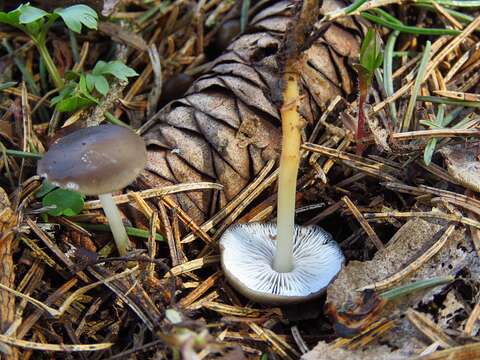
8 221
230 115
463 163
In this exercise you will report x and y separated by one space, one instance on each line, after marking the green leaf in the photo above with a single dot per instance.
67 202
429 150
101 84
99 66
66 92
82 84
74 103
115 68
74 97
30 14
12 17
371 56
90 80
77 15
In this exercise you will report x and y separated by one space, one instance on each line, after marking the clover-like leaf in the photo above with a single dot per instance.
66 202
12 17
101 84
115 68
30 14
73 103
74 96
98 82
77 15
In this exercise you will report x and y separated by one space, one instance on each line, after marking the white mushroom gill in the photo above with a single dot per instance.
248 252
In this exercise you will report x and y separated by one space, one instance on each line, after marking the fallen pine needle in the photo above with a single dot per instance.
412 267
53 347
166 190
66 304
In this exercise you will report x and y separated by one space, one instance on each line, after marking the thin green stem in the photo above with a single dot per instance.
23 69
114 120
404 290
7 85
448 101
244 15
74 46
132 231
49 64
432 143
456 14
453 3
23 154
408 29
344 11
388 72
416 86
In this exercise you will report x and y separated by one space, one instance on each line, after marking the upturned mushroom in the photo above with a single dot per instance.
285 263
248 260
97 161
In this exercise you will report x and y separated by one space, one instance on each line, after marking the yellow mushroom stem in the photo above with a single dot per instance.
287 181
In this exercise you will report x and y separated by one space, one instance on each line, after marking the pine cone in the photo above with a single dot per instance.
227 126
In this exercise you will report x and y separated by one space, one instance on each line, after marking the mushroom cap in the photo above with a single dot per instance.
247 256
94 160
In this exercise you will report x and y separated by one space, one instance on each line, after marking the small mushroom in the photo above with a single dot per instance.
285 263
247 256
97 161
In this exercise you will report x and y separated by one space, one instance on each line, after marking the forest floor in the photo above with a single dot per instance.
390 167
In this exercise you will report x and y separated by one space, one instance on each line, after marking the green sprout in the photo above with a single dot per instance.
371 58
36 23
78 95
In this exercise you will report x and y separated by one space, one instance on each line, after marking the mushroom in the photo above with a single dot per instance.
285 263
247 257
97 161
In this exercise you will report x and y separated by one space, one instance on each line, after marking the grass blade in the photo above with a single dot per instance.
416 87
408 29
388 73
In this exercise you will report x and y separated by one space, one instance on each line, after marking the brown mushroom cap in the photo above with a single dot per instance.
95 160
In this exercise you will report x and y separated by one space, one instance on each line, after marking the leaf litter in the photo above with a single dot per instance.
404 211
